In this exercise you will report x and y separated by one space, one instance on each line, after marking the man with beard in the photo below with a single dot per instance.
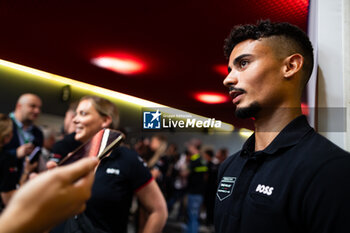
286 178
26 136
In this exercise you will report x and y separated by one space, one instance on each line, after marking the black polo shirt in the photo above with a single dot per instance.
117 178
299 183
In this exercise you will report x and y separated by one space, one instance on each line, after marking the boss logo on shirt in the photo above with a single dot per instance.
225 187
264 189
113 171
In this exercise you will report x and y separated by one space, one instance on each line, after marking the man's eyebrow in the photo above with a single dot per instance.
237 59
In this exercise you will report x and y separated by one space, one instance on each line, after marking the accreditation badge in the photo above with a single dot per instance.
225 187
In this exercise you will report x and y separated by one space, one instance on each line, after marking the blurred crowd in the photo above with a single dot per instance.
185 178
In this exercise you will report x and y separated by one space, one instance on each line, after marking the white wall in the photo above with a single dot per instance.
346 68
53 121
333 75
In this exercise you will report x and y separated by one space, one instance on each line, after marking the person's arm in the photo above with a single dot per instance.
28 168
152 199
49 198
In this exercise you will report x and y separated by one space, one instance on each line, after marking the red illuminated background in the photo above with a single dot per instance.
170 52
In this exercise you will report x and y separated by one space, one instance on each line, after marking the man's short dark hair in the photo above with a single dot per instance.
293 39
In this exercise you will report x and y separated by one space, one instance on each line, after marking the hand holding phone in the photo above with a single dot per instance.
100 145
34 156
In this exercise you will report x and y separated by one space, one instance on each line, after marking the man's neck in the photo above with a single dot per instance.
25 123
268 126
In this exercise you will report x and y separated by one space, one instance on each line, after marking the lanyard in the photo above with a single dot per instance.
24 137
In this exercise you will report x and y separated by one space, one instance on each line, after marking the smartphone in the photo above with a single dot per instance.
34 156
100 145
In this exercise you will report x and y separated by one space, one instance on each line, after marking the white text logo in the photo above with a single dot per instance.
264 189
191 123
113 171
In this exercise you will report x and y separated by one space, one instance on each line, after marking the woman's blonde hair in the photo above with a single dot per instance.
105 108
5 127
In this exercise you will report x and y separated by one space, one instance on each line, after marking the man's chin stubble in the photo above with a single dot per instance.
248 112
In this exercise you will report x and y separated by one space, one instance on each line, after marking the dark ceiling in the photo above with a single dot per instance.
180 41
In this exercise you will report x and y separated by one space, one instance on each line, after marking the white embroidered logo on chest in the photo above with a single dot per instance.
264 189
113 171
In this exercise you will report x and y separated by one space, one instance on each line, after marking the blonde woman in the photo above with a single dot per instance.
118 176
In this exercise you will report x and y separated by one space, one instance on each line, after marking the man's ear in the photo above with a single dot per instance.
18 106
293 64
107 121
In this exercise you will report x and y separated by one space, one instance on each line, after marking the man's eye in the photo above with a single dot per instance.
243 63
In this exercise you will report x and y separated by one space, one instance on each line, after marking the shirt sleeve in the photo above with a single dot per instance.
326 205
140 175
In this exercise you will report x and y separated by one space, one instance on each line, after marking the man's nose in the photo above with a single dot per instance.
231 79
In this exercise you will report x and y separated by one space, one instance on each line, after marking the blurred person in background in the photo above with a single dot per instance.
179 185
10 178
196 171
211 185
68 124
171 157
46 151
26 135
157 162
142 148
221 155
8 163
67 140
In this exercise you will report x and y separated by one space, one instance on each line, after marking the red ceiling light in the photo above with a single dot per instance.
121 63
211 97
221 69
